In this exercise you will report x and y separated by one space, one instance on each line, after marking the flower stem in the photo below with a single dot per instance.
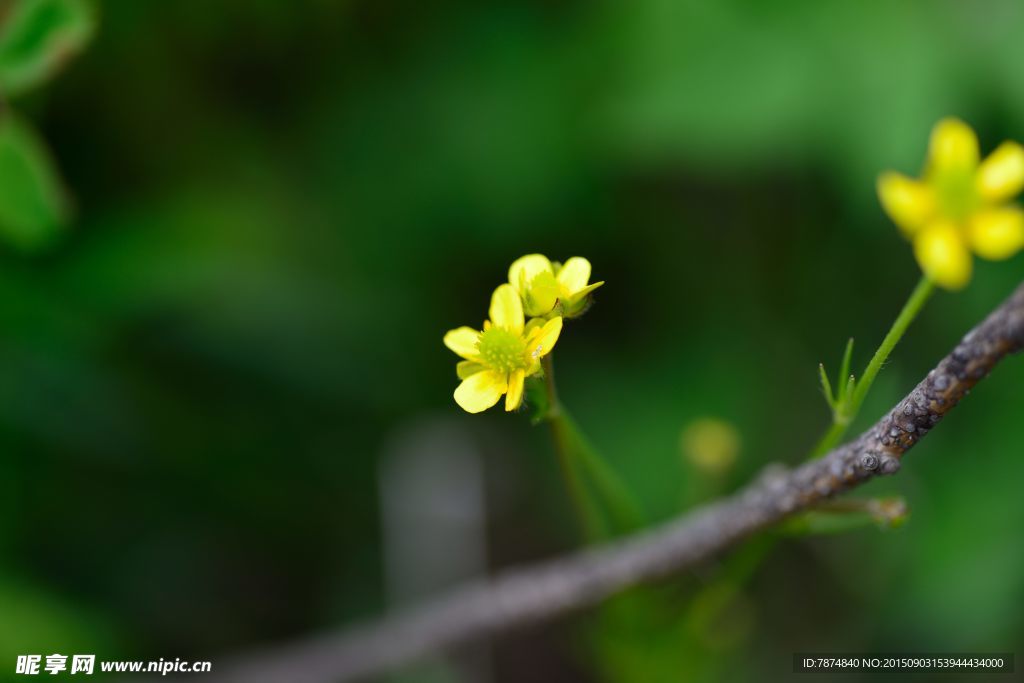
829 440
914 304
845 413
624 509
581 462
589 516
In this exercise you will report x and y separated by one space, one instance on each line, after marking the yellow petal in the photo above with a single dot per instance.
997 234
466 368
524 269
908 202
506 309
541 294
543 339
943 256
463 342
515 390
480 391
532 326
1001 174
574 274
953 147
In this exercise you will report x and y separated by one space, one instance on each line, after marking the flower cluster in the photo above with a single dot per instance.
498 359
961 204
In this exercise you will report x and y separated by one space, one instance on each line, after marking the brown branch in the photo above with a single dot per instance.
528 595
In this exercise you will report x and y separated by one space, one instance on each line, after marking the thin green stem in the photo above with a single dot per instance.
554 405
829 439
586 511
847 410
610 487
591 522
579 458
914 304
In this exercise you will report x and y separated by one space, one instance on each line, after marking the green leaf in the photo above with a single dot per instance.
844 371
32 617
851 384
38 37
33 207
826 386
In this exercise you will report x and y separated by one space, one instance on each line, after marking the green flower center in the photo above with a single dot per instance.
956 194
502 350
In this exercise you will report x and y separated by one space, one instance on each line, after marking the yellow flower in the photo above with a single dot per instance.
712 445
547 287
499 359
960 205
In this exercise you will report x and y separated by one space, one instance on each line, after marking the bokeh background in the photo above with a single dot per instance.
226 411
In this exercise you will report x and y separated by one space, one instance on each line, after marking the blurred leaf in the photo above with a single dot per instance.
38 37
33 620
33 208
848 514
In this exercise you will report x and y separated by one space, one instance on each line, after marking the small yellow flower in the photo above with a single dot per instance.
960 205
499 359
547 287
712 445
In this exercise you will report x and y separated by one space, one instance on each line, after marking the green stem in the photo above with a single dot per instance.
624 508
914 304
586 511
829 440
576 454
589 516
851 405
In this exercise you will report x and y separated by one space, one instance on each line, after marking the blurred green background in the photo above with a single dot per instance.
274 212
